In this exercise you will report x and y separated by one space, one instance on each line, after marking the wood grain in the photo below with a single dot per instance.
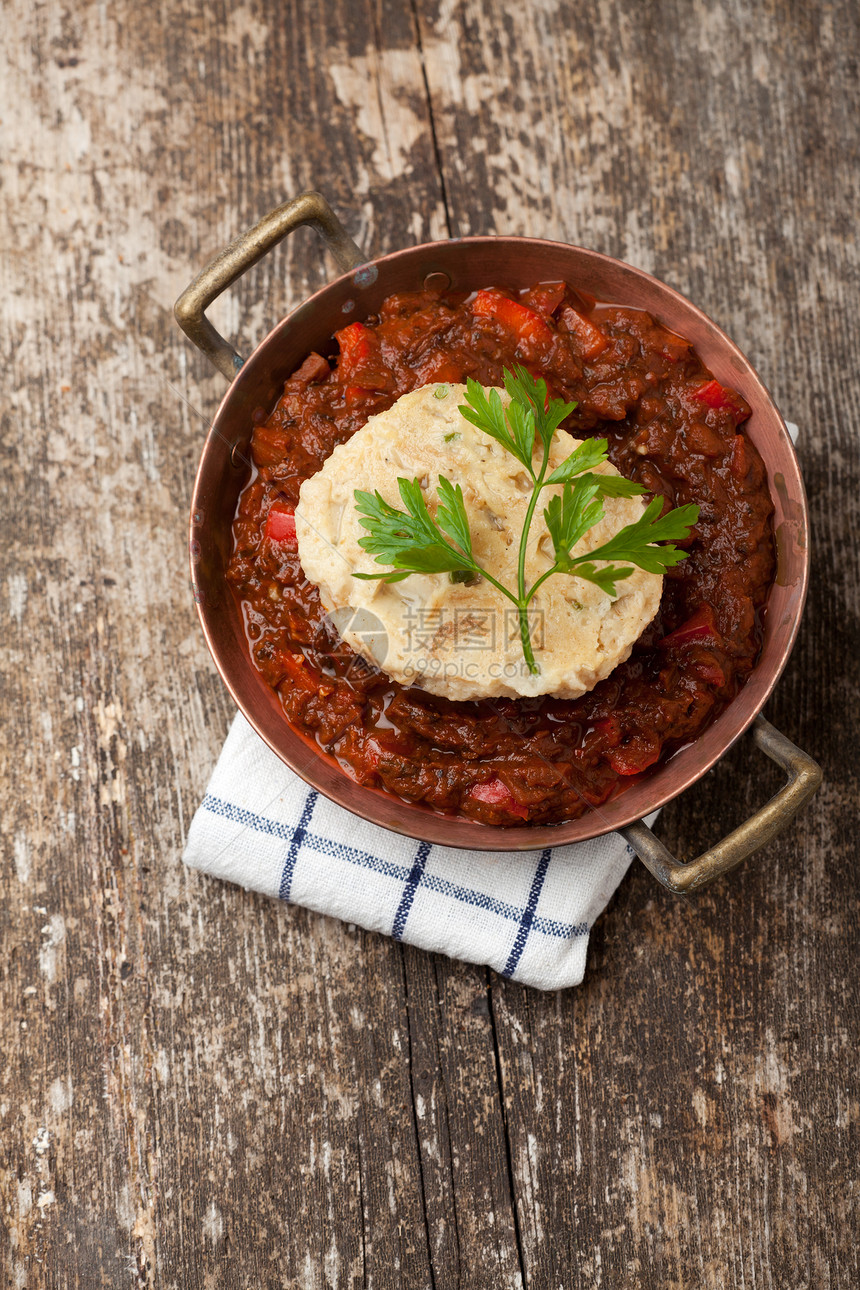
198 1087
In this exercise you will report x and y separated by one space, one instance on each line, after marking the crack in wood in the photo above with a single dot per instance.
416 1131
437 154
508 1148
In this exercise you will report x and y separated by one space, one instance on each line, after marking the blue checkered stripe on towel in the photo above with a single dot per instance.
525 914
302 846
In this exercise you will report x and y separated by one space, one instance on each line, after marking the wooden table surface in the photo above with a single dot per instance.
203 1088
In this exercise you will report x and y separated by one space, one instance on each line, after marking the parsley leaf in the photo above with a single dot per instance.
636 541
451 515
532 396
487 413
604 578
569 517
413 541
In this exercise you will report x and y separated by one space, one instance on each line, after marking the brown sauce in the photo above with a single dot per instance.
669 425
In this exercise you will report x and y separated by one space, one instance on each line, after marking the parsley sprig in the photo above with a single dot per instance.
414 541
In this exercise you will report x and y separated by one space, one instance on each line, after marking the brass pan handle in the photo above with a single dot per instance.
804 778
220 273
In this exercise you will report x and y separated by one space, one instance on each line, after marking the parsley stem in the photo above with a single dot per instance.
526 639
510 595
523 600
414 541
542 579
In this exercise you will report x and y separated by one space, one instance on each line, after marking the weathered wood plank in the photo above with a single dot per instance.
192 1096
458 1113
656 1124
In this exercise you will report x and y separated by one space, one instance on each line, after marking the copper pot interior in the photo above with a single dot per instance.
469 264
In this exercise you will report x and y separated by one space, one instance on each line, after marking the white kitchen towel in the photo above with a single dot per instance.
526 914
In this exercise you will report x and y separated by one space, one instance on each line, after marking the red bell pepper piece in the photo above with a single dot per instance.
514 317
295 670
281 523
497 793
711 393
355 394
590 340
354 342
361 364
700 629
716 396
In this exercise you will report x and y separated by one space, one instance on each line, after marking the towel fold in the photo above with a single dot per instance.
526 914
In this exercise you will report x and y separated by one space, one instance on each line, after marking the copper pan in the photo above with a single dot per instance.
469 263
